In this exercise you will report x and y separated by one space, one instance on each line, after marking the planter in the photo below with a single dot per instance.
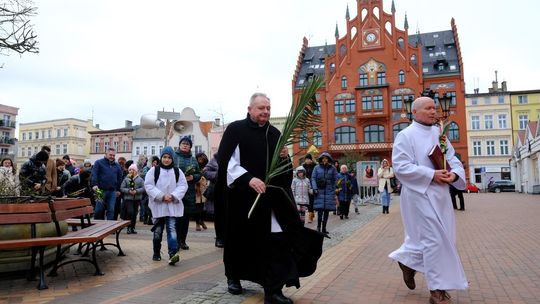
19 259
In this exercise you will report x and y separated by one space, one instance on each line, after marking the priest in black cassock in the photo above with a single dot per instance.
271 248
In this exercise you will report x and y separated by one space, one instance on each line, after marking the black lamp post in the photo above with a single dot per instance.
445 100
408 107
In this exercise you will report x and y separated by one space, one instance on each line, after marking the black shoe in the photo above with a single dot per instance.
184 246
219 243
133 231
341 217
129 231
276 298
156 258
408 276
234 287
346 217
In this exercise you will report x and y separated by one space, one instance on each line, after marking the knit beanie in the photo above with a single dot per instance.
188 140
308 156
133 167
42 156
167 150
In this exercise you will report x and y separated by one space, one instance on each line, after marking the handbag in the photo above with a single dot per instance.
209 192
393 183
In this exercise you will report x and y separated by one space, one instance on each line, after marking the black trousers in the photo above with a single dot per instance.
344 207
129 211
219 220
182 227
459 194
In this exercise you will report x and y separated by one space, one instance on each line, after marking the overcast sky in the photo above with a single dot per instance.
115 60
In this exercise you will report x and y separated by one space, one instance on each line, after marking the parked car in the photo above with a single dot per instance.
471 188
502 185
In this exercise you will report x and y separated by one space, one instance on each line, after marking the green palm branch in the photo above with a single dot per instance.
301 117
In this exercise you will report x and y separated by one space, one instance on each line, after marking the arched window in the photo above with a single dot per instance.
344 82
317 138
303 139
453 131
374 133
401 42
397 128
345 135
401 77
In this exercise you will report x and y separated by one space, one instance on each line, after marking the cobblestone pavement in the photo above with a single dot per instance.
498 240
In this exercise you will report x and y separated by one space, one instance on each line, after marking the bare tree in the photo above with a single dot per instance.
16 31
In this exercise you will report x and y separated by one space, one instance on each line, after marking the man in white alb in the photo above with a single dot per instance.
426 209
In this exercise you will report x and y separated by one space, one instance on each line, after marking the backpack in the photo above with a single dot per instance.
157 170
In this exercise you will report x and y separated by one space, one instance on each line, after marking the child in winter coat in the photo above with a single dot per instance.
133 188
301 189
165 192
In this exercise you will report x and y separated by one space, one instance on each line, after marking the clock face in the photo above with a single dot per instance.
371 37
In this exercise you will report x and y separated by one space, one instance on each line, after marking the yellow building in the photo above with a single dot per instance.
64 136
525 107
489 135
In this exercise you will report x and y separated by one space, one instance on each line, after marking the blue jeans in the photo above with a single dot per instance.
169 223
106 206
385 198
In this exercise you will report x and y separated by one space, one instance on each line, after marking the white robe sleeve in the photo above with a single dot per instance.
234 170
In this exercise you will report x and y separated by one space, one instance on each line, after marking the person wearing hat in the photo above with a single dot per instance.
107 176
309 165
323 182
165 189
185 161
301 189
132 188
32 174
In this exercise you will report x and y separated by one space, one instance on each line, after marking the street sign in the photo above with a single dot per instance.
168 115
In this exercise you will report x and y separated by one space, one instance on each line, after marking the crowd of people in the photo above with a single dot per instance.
269 244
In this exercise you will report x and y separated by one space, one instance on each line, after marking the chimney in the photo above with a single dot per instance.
129 124
503 86
476 90
97 126
217 121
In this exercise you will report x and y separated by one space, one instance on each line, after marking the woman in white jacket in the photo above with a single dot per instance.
385 174
165 185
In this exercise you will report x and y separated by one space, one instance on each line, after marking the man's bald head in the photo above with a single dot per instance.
420 101
423 109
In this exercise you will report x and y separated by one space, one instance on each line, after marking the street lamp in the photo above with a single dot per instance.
444 100
408 107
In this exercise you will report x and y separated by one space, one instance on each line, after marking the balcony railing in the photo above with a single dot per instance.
378 146
7 140
7 123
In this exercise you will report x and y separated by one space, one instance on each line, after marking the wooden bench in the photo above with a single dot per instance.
91 234
77 213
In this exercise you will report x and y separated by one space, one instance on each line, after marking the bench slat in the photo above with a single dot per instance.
24 208
26 218
61 215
